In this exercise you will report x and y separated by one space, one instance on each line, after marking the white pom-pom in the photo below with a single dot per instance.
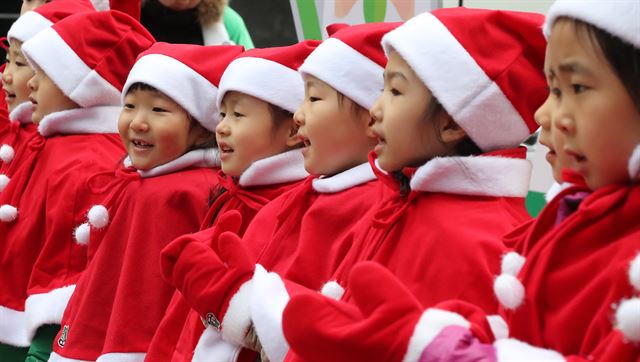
634 163
8 213
98 216
4 181
628 319
6 153
332 290
634 273
509 291
512 262
82 234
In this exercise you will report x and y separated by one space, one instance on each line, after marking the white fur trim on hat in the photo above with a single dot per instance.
509 349
6 153
463 88
430 324
264 79
98 216
8 213
628 319
634 273
212 344
474 175
634 163
237 320
4 181
49 52
345 180
47 308
13 329
283 167
332 290
82 233
28 25
618 17
267 305
346 70
509 291
512 263
182 84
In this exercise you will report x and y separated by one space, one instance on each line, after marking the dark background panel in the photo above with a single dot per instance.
270 23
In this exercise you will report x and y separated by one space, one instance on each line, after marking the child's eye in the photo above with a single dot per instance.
314 99
21 64
395 92
578 88
129 106
556 92
158 109
237 115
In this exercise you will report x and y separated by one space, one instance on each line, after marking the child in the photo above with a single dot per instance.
15 78
76 114
443 103
28 5
575 295
166 125
294 233
260 159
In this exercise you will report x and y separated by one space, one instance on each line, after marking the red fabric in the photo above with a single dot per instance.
377 328
50 186
181 327
121 297
131 7
310 233
433 238
4 110
576 272
17 136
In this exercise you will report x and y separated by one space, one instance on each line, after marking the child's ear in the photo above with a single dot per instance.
450 131
203 136
292 138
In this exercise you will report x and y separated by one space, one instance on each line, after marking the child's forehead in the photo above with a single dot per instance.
233 98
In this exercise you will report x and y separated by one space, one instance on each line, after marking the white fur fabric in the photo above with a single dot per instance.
283 167
345 180
81 121
430 324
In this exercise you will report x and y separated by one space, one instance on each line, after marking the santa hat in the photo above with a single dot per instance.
490 84
89 55
32 22
352 61
617 17
270 74
188 74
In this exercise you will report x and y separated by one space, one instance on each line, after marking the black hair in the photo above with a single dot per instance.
465 147
623 57
355 108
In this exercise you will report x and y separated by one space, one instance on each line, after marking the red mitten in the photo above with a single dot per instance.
379 329
205 278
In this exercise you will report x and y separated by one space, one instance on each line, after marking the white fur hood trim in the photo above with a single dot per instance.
476 175
102 119
22 113
208 157
634 163
283 167
344 180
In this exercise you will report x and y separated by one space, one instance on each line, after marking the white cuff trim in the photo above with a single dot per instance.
430 324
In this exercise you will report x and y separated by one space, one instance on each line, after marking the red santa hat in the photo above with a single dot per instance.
89 55
352 61
618 17
32 22
188 74
484 66
270 74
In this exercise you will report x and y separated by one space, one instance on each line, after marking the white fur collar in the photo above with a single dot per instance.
344 180
479 175
555 189
102 119
209 157
22 113
634 164
283 167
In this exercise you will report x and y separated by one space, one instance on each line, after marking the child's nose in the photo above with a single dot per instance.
32 83
376 112
6 77
139 123
298 117
222 128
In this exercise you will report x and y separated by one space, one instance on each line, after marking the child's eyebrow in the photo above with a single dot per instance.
574 67
391 75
